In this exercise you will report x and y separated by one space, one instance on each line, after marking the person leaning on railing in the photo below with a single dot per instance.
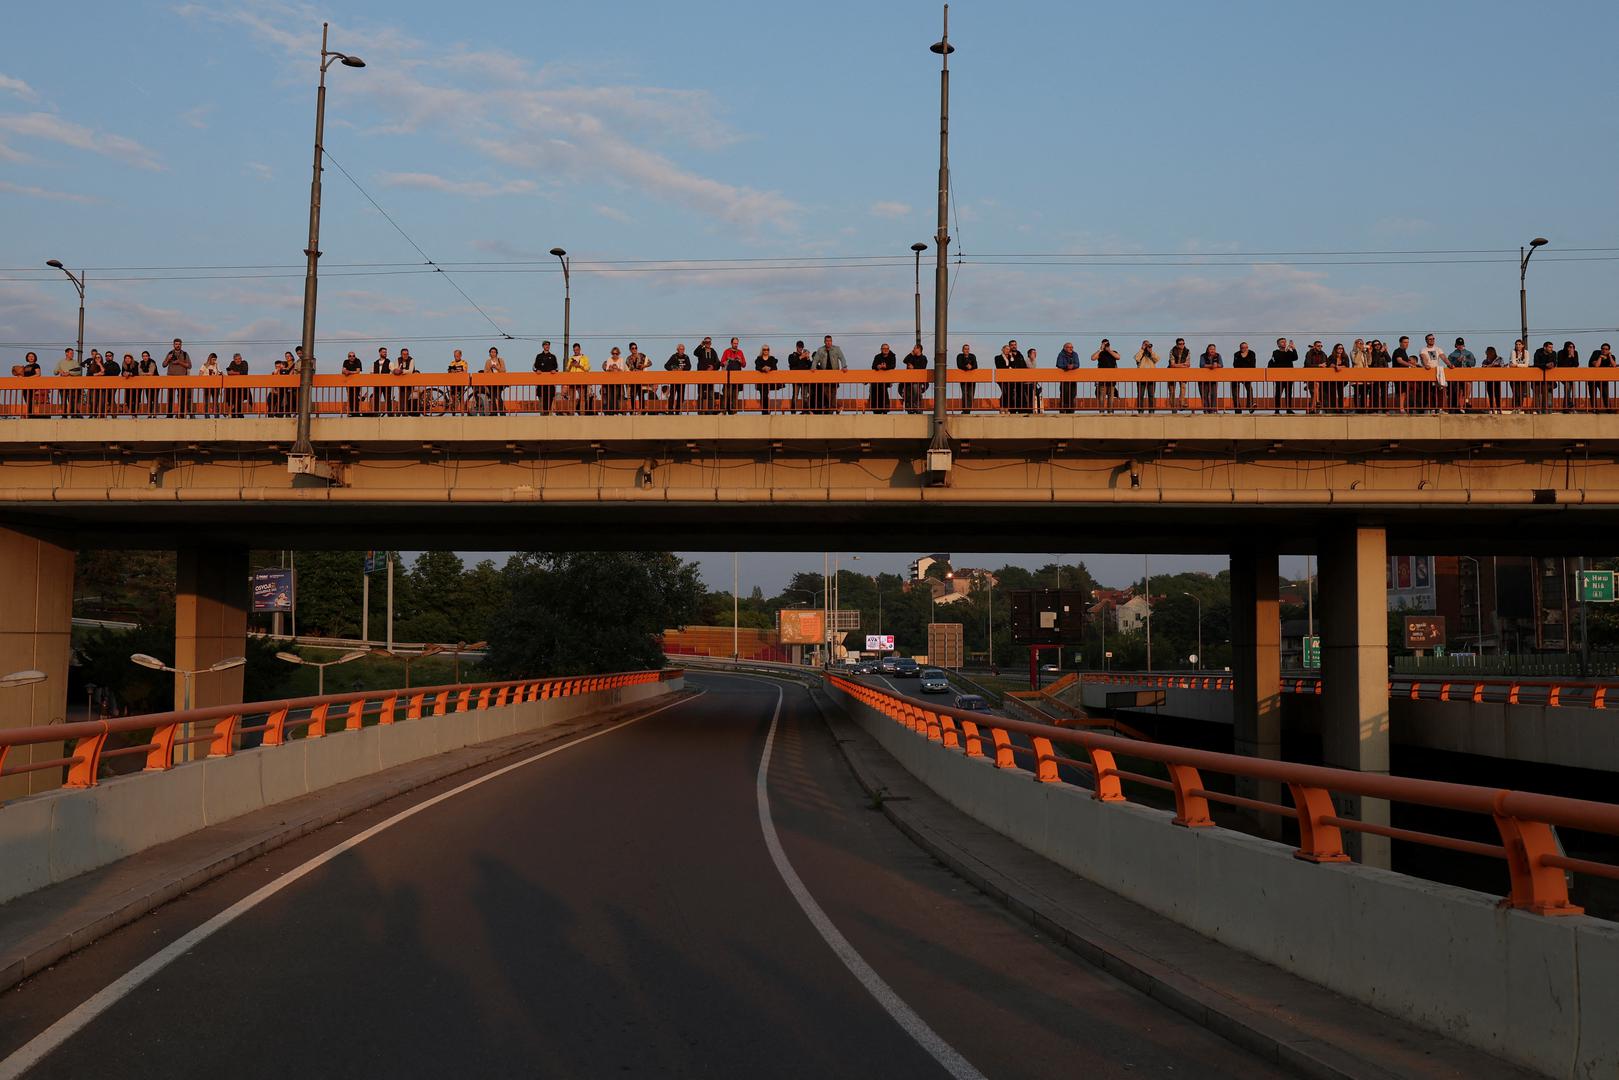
635 363
1545 360
237 399
68 367
28 369
1180 358
350 368
707 359
733 359
1598 391
877 393
93 369
911 392
1569 357
1461 360
110 369
764 363
210 394
1067 360
404 365
1492 387
1209 392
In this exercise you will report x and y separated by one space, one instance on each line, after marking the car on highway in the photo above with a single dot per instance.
888 665
935 681
906 668
973 702
1050 669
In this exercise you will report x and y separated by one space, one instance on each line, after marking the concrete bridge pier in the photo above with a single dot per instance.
1256 666
36 632
210 622
1354 671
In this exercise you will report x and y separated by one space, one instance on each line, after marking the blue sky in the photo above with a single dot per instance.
178 135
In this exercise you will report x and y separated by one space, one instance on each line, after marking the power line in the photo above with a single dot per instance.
414 244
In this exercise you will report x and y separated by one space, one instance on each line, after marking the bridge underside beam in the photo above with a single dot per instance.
1355 671
210 622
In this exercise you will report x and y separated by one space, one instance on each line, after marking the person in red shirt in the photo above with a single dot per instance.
732 359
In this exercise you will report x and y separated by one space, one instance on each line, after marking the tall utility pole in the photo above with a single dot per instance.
303 451
917 294
1148 598
736 633
939 447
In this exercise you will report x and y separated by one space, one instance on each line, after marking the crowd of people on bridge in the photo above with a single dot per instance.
1433 379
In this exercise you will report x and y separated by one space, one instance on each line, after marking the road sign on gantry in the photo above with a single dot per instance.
1424 631
1596 586
1048 616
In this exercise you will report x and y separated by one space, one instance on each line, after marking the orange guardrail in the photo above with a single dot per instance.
1009 390
277 721
1552 693
1527 821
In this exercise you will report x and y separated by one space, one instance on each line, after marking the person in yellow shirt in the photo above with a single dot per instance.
456 392
579 363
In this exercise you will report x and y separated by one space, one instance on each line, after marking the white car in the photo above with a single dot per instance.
935 681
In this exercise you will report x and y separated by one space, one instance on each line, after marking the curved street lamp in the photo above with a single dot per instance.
320 680
155 664
1199 660
302 447
918 249
1523 294
567 304
78 283
22 678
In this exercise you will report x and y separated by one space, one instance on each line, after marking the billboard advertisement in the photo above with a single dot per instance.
946 645
879 642
801 627
272 589
1048 616
1410 581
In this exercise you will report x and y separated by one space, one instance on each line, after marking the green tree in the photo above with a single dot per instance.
437 600
124 585
586 612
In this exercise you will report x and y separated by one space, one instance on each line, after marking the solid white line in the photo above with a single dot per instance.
906 1017
36 1049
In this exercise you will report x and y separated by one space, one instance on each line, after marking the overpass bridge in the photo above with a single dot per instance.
1351 466
696 884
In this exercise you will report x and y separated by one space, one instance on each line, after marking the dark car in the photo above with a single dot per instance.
972 702
906 668
888 665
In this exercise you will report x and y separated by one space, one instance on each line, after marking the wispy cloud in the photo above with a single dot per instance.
258 170
477 189
17 87
890 209
543 119
52 128
1403 226
507 250
45 193
612 213
197 116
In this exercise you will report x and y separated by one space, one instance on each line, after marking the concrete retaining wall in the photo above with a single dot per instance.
1567 735
55 835
1535 990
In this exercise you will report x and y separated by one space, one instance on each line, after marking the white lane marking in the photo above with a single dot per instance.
35 1050
906 1017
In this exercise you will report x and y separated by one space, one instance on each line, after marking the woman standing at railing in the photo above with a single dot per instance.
1180 358
1360 358
28 369
612 393
494 365
1338 362
1377 391
579 394
210 394
1519 361
149 370
132 396
635 363
93 369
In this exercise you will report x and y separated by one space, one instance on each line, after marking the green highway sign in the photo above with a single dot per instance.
1312 650
1596 586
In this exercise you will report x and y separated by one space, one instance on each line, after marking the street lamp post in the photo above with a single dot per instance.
1199 604
917 295
939 447
461 647
78 283
567 304
302 448
152 662
1523 292
408 659
320 666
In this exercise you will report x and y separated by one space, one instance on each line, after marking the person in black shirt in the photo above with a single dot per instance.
877 396
1107 391
1284 356
545 363
1598 391
800 360
1244 357
1568 358
679 361
967 360
29 369
382 398
708 359
911 392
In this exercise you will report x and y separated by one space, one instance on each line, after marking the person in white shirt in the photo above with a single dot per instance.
1435 360
496 366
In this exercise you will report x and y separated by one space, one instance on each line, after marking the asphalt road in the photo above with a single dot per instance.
613 909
